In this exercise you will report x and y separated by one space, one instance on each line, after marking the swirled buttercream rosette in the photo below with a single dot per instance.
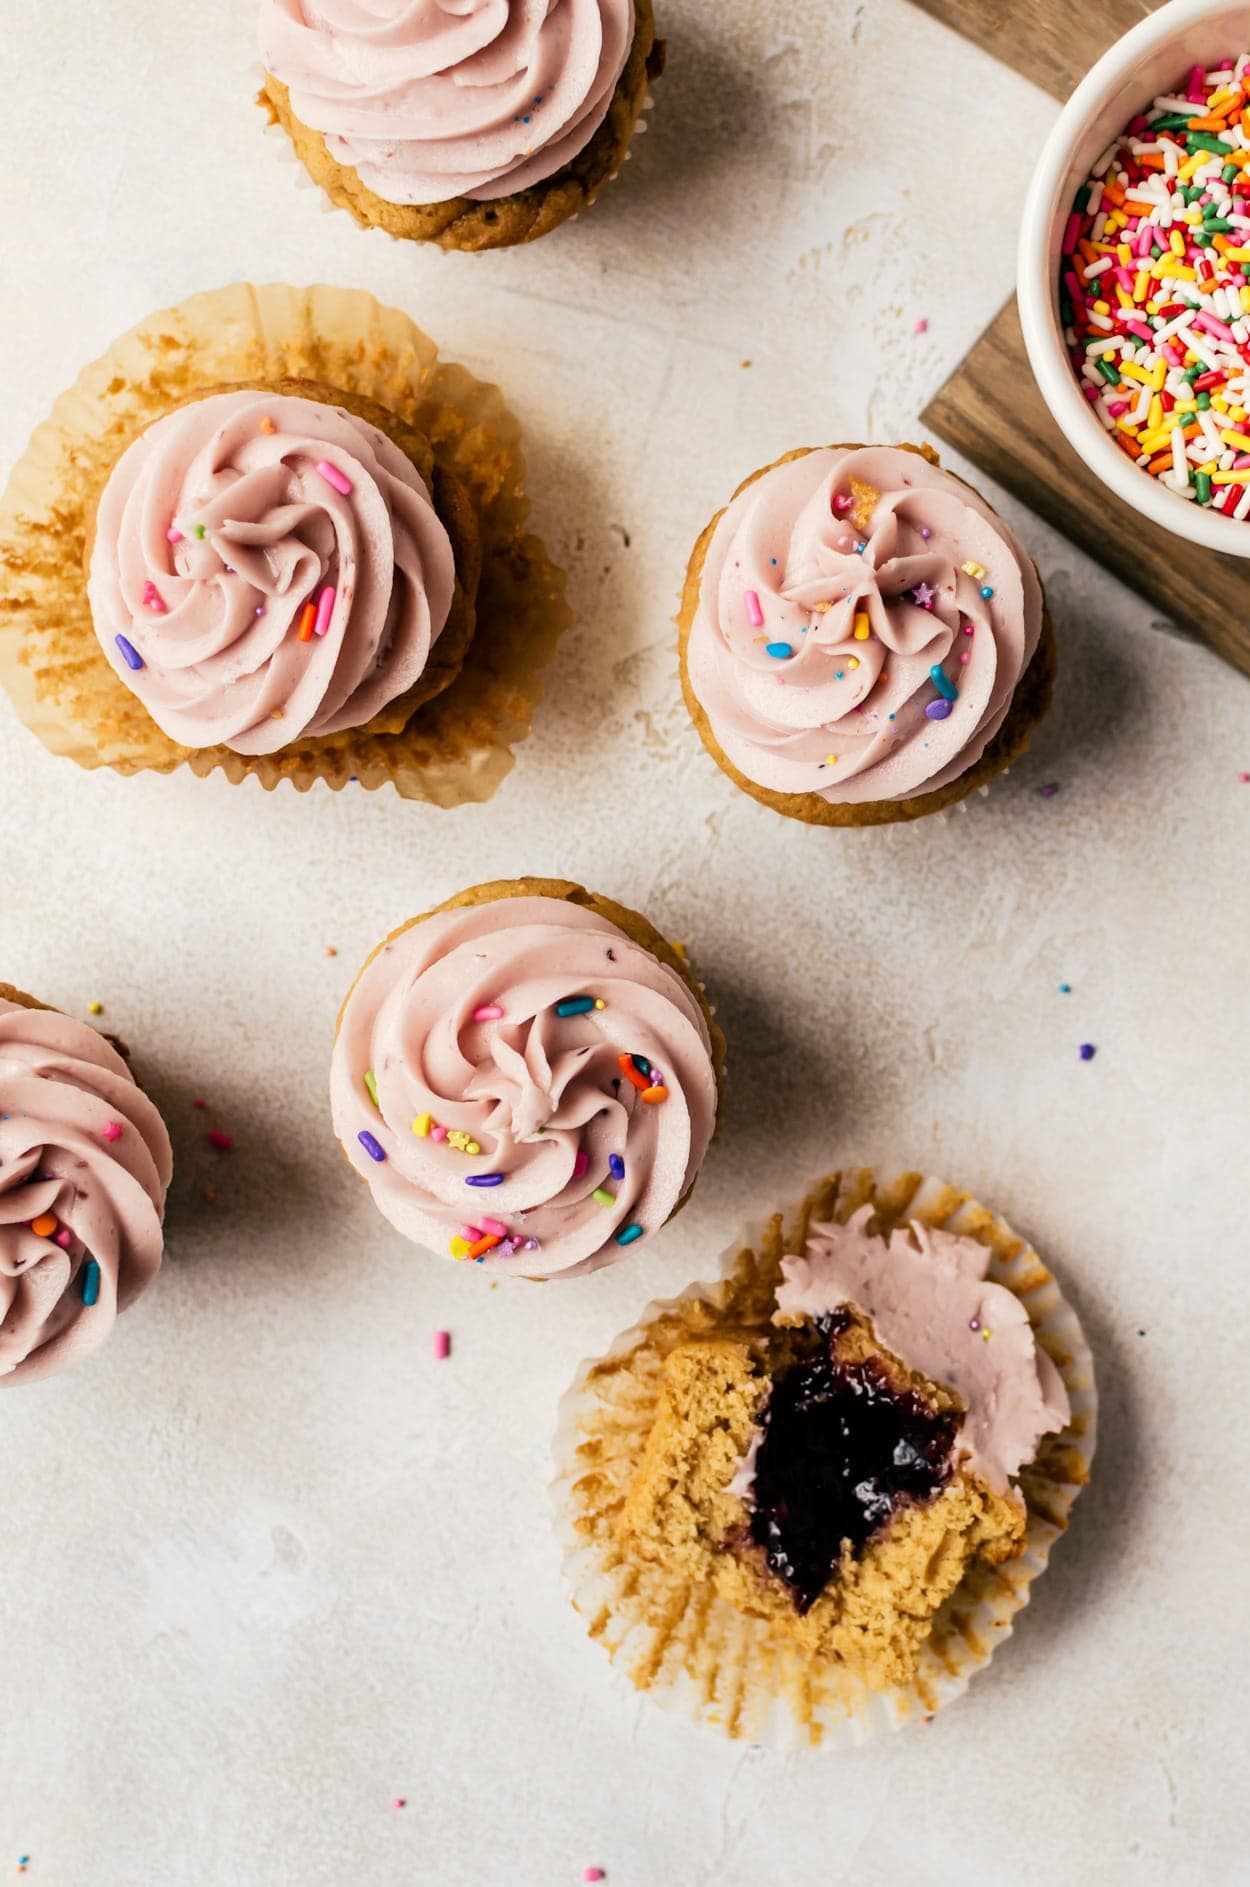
746 1675
527 1078
862 639
85 1163
183 468
475 128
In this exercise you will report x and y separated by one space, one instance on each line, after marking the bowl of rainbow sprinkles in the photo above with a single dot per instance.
1134 271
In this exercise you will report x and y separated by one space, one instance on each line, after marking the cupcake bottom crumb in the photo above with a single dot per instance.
874 1607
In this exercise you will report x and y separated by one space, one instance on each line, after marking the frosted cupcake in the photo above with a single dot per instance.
527 1078
85 1164
271 533
804 1504
475 127
862 639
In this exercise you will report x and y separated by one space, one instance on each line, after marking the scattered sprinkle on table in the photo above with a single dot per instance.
594 1873
1088 1051
220 1140
1049 790
331 951
921 327
1244 778
442 1345
95 1008
1065 989
399 1802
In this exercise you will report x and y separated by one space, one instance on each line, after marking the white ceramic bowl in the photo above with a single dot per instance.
1150 59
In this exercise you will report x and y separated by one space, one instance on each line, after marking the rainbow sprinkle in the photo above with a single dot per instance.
628 1233
334 477
578 1005
1155 294
370 1146
130 654
90 1283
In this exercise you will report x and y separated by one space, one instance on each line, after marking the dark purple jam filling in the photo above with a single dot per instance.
842 1447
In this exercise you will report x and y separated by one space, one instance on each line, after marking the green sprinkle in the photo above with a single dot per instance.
1204 401
1108 372
372 1086
1229 174
1217 222
1172 121
197 530
1202 487
1207 141
1191 374
602 1197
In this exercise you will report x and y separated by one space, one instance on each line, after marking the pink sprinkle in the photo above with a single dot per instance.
199 1101
111 1130
438 1134
470 1234
1220 329
1244 778
218 1139
493 1226
333 476
153 599
581 1161
487 1012
841 501
594 1873
64 1238
325 609
967 628
399 1801
921 327
966 656
755 614
173 535
442 1350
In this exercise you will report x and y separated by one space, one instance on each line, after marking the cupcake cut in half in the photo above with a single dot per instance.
270 533
85 1164
810 1499
862 639
527 1078
476 126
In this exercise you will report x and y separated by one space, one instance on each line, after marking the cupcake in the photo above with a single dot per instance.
270 533
474 127
528 1078
85 1164
804 1504
862 639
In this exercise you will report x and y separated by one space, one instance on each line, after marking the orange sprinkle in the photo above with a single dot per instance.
653 1096
306 621
267 425
626 1065
44 1225
484 1245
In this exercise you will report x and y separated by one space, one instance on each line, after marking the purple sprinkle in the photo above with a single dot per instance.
1088 1051
616 1166
130 654
925 532
370 1146
485 1179
1049 790
974 1323
531 1244
938 710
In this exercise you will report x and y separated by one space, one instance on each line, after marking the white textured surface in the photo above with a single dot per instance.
267 1565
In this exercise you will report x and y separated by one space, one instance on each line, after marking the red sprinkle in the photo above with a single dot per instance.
218 1139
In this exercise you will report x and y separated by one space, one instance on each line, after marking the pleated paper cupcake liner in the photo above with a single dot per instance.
684 1645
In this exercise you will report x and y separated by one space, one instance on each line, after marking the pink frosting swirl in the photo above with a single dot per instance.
428 100
814 642
84 1166
454 1064
217 528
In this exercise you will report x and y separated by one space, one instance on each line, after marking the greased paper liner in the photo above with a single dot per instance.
686 1646
455 748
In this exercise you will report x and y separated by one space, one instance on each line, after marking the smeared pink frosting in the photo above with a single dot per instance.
432 99
214 618
81 1142
541 1095
844 716
928 1296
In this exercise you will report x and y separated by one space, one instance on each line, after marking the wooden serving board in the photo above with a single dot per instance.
991 410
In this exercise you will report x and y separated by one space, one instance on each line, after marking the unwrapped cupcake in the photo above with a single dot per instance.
475 126
528 1078
862 639
271 533
85 1164
804 1504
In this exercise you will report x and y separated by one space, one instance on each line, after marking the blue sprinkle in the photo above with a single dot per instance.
130 654
1088 1051
938 710
628 1233
1065 989
485 1179
943 683
370 1146
837 673
642 1065
987 592
780 651
616 1166
91 1283
575 1006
